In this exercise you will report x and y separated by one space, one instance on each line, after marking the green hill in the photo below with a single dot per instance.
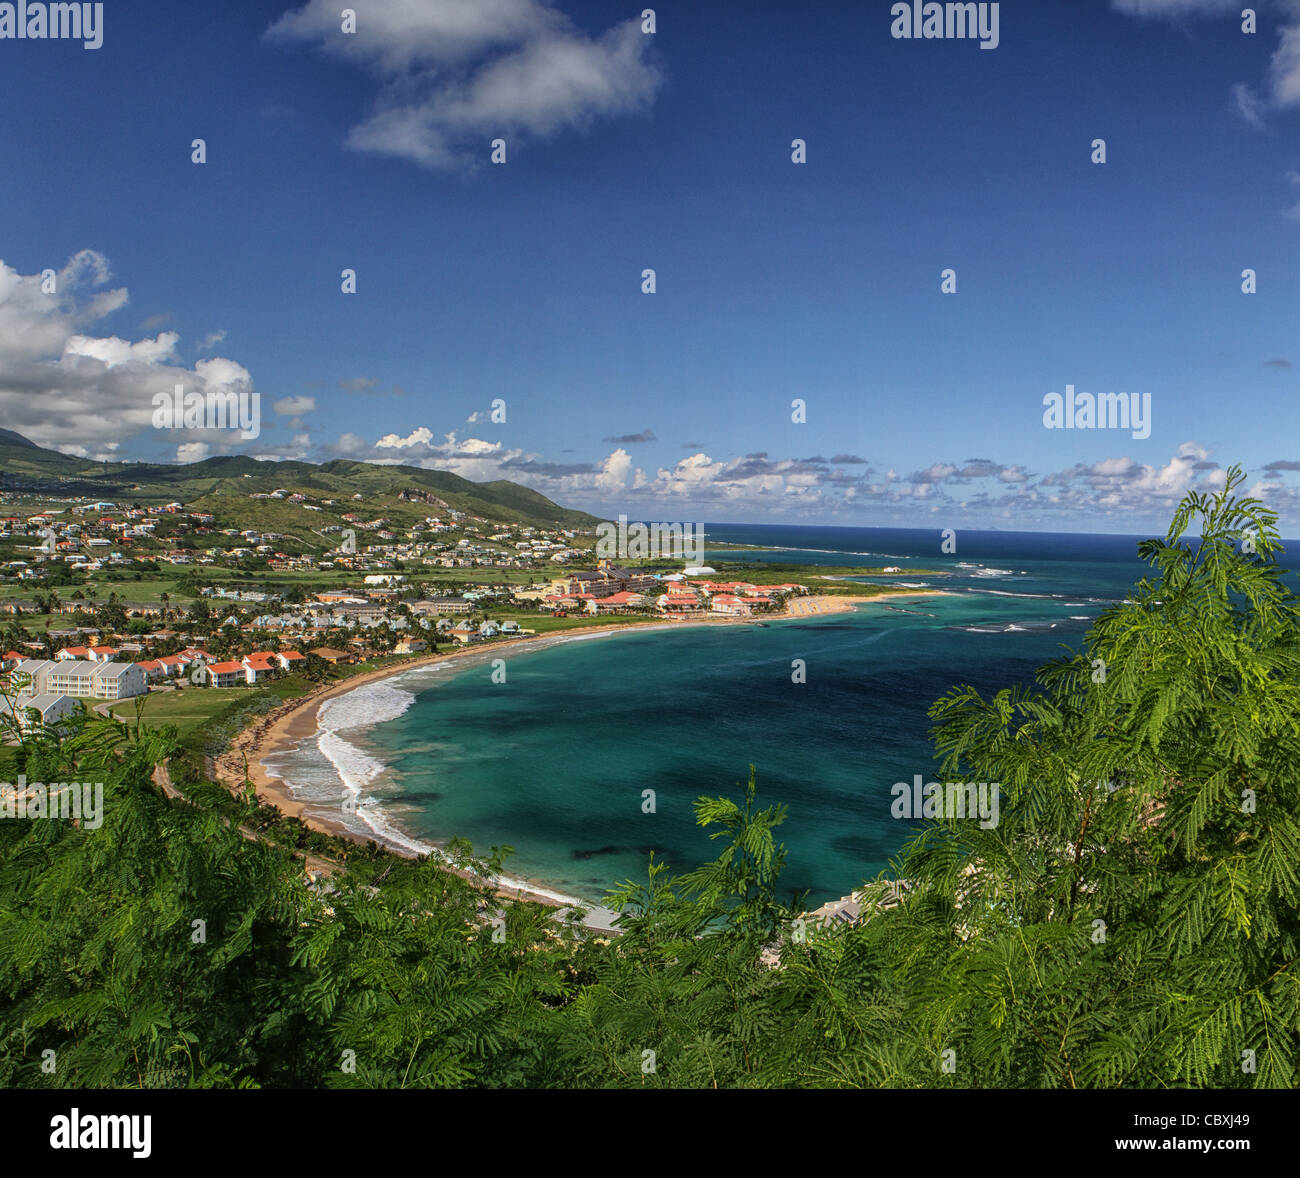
404 494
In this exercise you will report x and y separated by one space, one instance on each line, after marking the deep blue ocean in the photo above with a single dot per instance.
554 761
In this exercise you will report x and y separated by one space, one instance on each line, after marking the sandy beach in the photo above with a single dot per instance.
298 719
829 603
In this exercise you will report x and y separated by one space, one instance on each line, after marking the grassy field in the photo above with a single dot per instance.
187 709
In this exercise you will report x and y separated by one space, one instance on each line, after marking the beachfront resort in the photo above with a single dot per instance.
235 607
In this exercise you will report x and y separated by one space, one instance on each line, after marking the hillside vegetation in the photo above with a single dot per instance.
210 485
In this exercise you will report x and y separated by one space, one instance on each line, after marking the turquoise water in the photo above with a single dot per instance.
554 761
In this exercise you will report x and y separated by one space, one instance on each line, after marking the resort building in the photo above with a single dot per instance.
441 605
677 603
225 674
605 581
332 656
154 670
174 664
616 603
82 679
739 607
49 708
465 632
259 666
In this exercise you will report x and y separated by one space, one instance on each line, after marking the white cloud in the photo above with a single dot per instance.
1284 69
456 73
1248 104
417 437
66 387
1116 491
401 35
208 342
292 406
1280 90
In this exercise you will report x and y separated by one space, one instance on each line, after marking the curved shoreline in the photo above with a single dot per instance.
298 719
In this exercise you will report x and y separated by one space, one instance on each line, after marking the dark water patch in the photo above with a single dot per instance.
597 851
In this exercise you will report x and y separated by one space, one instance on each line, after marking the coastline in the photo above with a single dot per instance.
298 719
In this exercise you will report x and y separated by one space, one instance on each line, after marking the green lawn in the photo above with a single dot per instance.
187 709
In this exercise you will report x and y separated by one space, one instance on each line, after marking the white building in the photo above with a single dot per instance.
81 679
50 708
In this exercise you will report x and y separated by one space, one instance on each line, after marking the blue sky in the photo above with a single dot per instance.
672 151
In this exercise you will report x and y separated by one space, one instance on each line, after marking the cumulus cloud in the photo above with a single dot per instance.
1117 490
481 460
208 342
971 470
454 74
646 435
69 387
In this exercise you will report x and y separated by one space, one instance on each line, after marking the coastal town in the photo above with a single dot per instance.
104 602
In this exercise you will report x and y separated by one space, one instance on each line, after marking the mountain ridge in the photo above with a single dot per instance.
27 466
